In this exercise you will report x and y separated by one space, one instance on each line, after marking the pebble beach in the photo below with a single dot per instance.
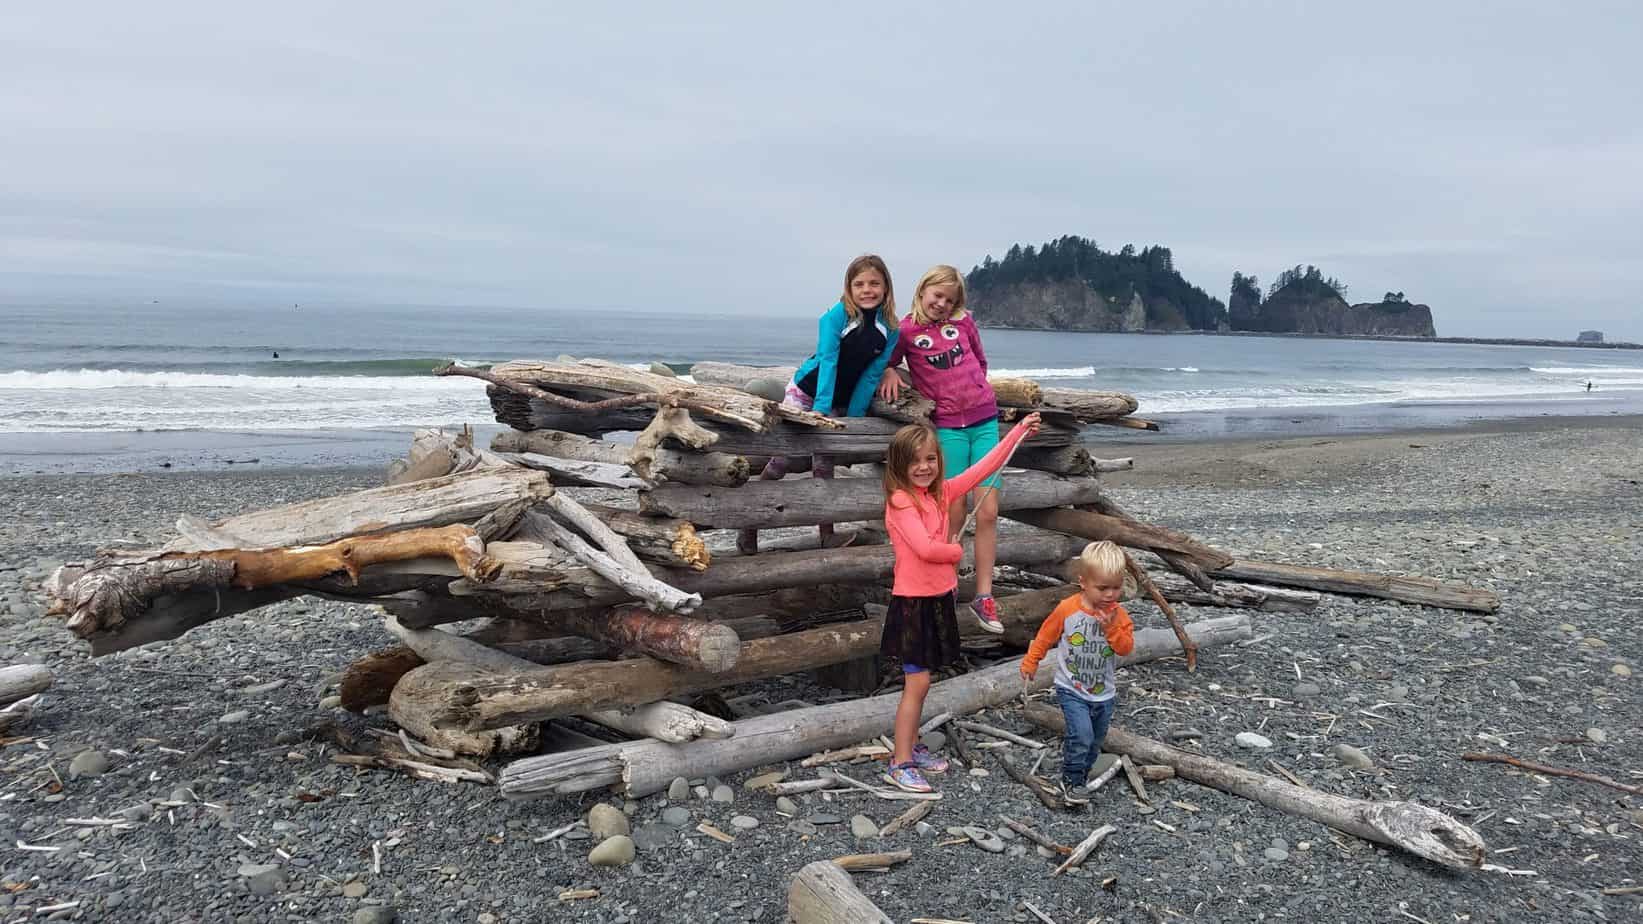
208 799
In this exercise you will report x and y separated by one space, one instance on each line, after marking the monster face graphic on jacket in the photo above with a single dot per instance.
943 351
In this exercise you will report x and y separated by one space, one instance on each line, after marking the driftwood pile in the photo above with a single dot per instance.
612 632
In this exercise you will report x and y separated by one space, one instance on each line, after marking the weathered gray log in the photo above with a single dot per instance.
1409 826
458 498
808 501
19 681
857 439
1060 460
103 597
644 767
695 644
1011 392
532 578
456 698
716 468
1231 594
579 473
822 893
616 563
727 405
663 721
368 680
18 714
1183 565
1094 526
432 645
1088 405
1403 588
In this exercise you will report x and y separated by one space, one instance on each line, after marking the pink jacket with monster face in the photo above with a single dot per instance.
948 367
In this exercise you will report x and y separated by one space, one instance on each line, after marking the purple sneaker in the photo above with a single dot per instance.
986 610
906 777
927 761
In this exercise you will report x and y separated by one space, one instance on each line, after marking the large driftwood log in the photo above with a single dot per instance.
728 405
459 498
663 721
822 893
1233 595
535 580
1403 588
369 679
436 646
1091 525
458 699
695 644
644 767
808 501
1408 826
855 439
715 468
20 681
116 589
1011 392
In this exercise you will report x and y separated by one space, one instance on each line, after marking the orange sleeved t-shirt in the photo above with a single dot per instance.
1087 655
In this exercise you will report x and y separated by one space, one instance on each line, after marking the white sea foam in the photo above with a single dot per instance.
83 379
1072 372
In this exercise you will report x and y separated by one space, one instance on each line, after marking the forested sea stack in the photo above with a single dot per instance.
1303 301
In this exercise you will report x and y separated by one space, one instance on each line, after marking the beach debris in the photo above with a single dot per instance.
1034 836
1549 770
1085 847
996 732
822 893
909 817
872 862
21 681
1408 826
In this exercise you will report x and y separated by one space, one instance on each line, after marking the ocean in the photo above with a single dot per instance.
128 386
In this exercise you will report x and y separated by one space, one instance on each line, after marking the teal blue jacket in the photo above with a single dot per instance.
829 331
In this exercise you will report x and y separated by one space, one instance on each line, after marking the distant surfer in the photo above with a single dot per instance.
1588 384
277 355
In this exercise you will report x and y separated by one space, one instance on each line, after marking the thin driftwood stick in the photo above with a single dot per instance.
861 861
1554 771
627 572
993 731
1050 799
1151 589
912 816
1034 836
591 526
1107 775
1134 776
1085 848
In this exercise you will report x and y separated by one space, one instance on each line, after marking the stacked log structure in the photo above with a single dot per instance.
612 617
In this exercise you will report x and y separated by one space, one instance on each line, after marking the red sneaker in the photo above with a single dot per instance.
986 610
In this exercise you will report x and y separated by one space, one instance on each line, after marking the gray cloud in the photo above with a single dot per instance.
732 157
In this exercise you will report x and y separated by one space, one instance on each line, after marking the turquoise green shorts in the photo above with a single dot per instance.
962 447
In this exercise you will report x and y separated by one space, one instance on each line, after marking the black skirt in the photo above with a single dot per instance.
922 631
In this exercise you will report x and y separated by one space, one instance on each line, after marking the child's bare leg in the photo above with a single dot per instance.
747 540
915 687
986 543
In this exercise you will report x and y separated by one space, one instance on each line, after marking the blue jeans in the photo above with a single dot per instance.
1086 728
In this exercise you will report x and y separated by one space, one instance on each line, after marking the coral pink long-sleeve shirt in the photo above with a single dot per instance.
926 563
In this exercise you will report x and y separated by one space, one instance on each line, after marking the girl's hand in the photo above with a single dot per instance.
1031 422
890 387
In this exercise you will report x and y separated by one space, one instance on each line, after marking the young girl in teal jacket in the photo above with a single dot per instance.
853 341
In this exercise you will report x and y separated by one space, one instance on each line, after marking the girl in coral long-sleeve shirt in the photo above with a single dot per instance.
921 628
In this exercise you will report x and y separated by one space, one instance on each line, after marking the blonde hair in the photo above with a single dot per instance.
904 450
1102 560
887 308
939 275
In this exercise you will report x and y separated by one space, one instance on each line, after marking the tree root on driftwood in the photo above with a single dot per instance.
114 589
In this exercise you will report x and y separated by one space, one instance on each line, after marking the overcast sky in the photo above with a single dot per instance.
1481 157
